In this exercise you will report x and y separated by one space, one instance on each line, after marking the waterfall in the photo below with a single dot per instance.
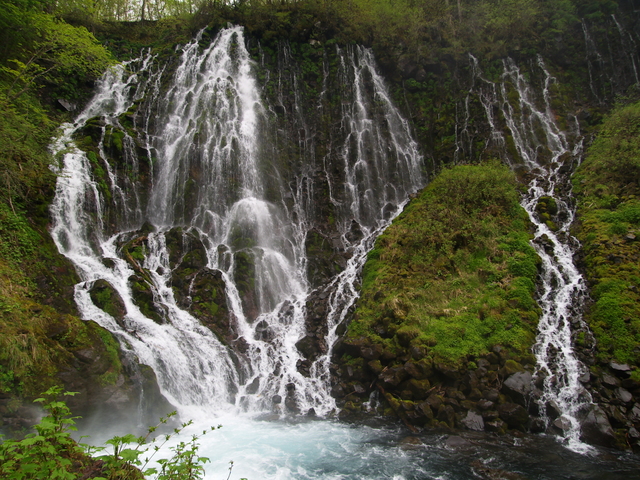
545 155
191 208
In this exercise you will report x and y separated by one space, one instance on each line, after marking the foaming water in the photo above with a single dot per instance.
315 449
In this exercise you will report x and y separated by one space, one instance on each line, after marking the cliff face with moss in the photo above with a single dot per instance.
447 308
448 314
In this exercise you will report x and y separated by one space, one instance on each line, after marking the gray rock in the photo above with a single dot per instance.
585 377
623 395
68 106
596 428
620 367
454 441
610 380
473 421
519 386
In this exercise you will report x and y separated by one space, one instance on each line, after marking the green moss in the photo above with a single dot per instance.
455 273
608 194
113 349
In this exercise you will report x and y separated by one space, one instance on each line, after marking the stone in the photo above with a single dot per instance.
623 395
455 441
610 380
620 367
585 377
515 415
473 421
392 377
596 428
511 367
496 425
518 386
492 395
68 106
434 401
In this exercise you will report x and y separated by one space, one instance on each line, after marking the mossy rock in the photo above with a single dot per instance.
244 278
105 297
142 294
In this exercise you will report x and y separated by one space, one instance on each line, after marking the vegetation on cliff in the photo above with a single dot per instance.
455 274
42 59
607 186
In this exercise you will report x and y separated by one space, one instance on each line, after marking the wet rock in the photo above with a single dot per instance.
455 441
610 380
142 294
623 395
208 303
410 443
515 415
518 386
107 298
537 425
596 429
489 473
309 347
473 421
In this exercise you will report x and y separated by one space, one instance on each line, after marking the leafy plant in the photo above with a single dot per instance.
51 453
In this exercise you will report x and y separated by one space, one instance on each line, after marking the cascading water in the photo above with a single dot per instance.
546 157
231 217
240 220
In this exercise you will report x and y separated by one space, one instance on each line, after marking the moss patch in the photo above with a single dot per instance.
455 273
607 186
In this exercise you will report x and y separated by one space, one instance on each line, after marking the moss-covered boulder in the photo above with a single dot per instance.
107 298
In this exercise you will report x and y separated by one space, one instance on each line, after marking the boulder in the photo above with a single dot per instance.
518 386
515 415
596 429
473 421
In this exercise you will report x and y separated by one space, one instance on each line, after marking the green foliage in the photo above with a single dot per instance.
454 273
51 453
608 193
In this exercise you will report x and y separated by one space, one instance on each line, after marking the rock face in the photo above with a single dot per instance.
496 394
474 396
